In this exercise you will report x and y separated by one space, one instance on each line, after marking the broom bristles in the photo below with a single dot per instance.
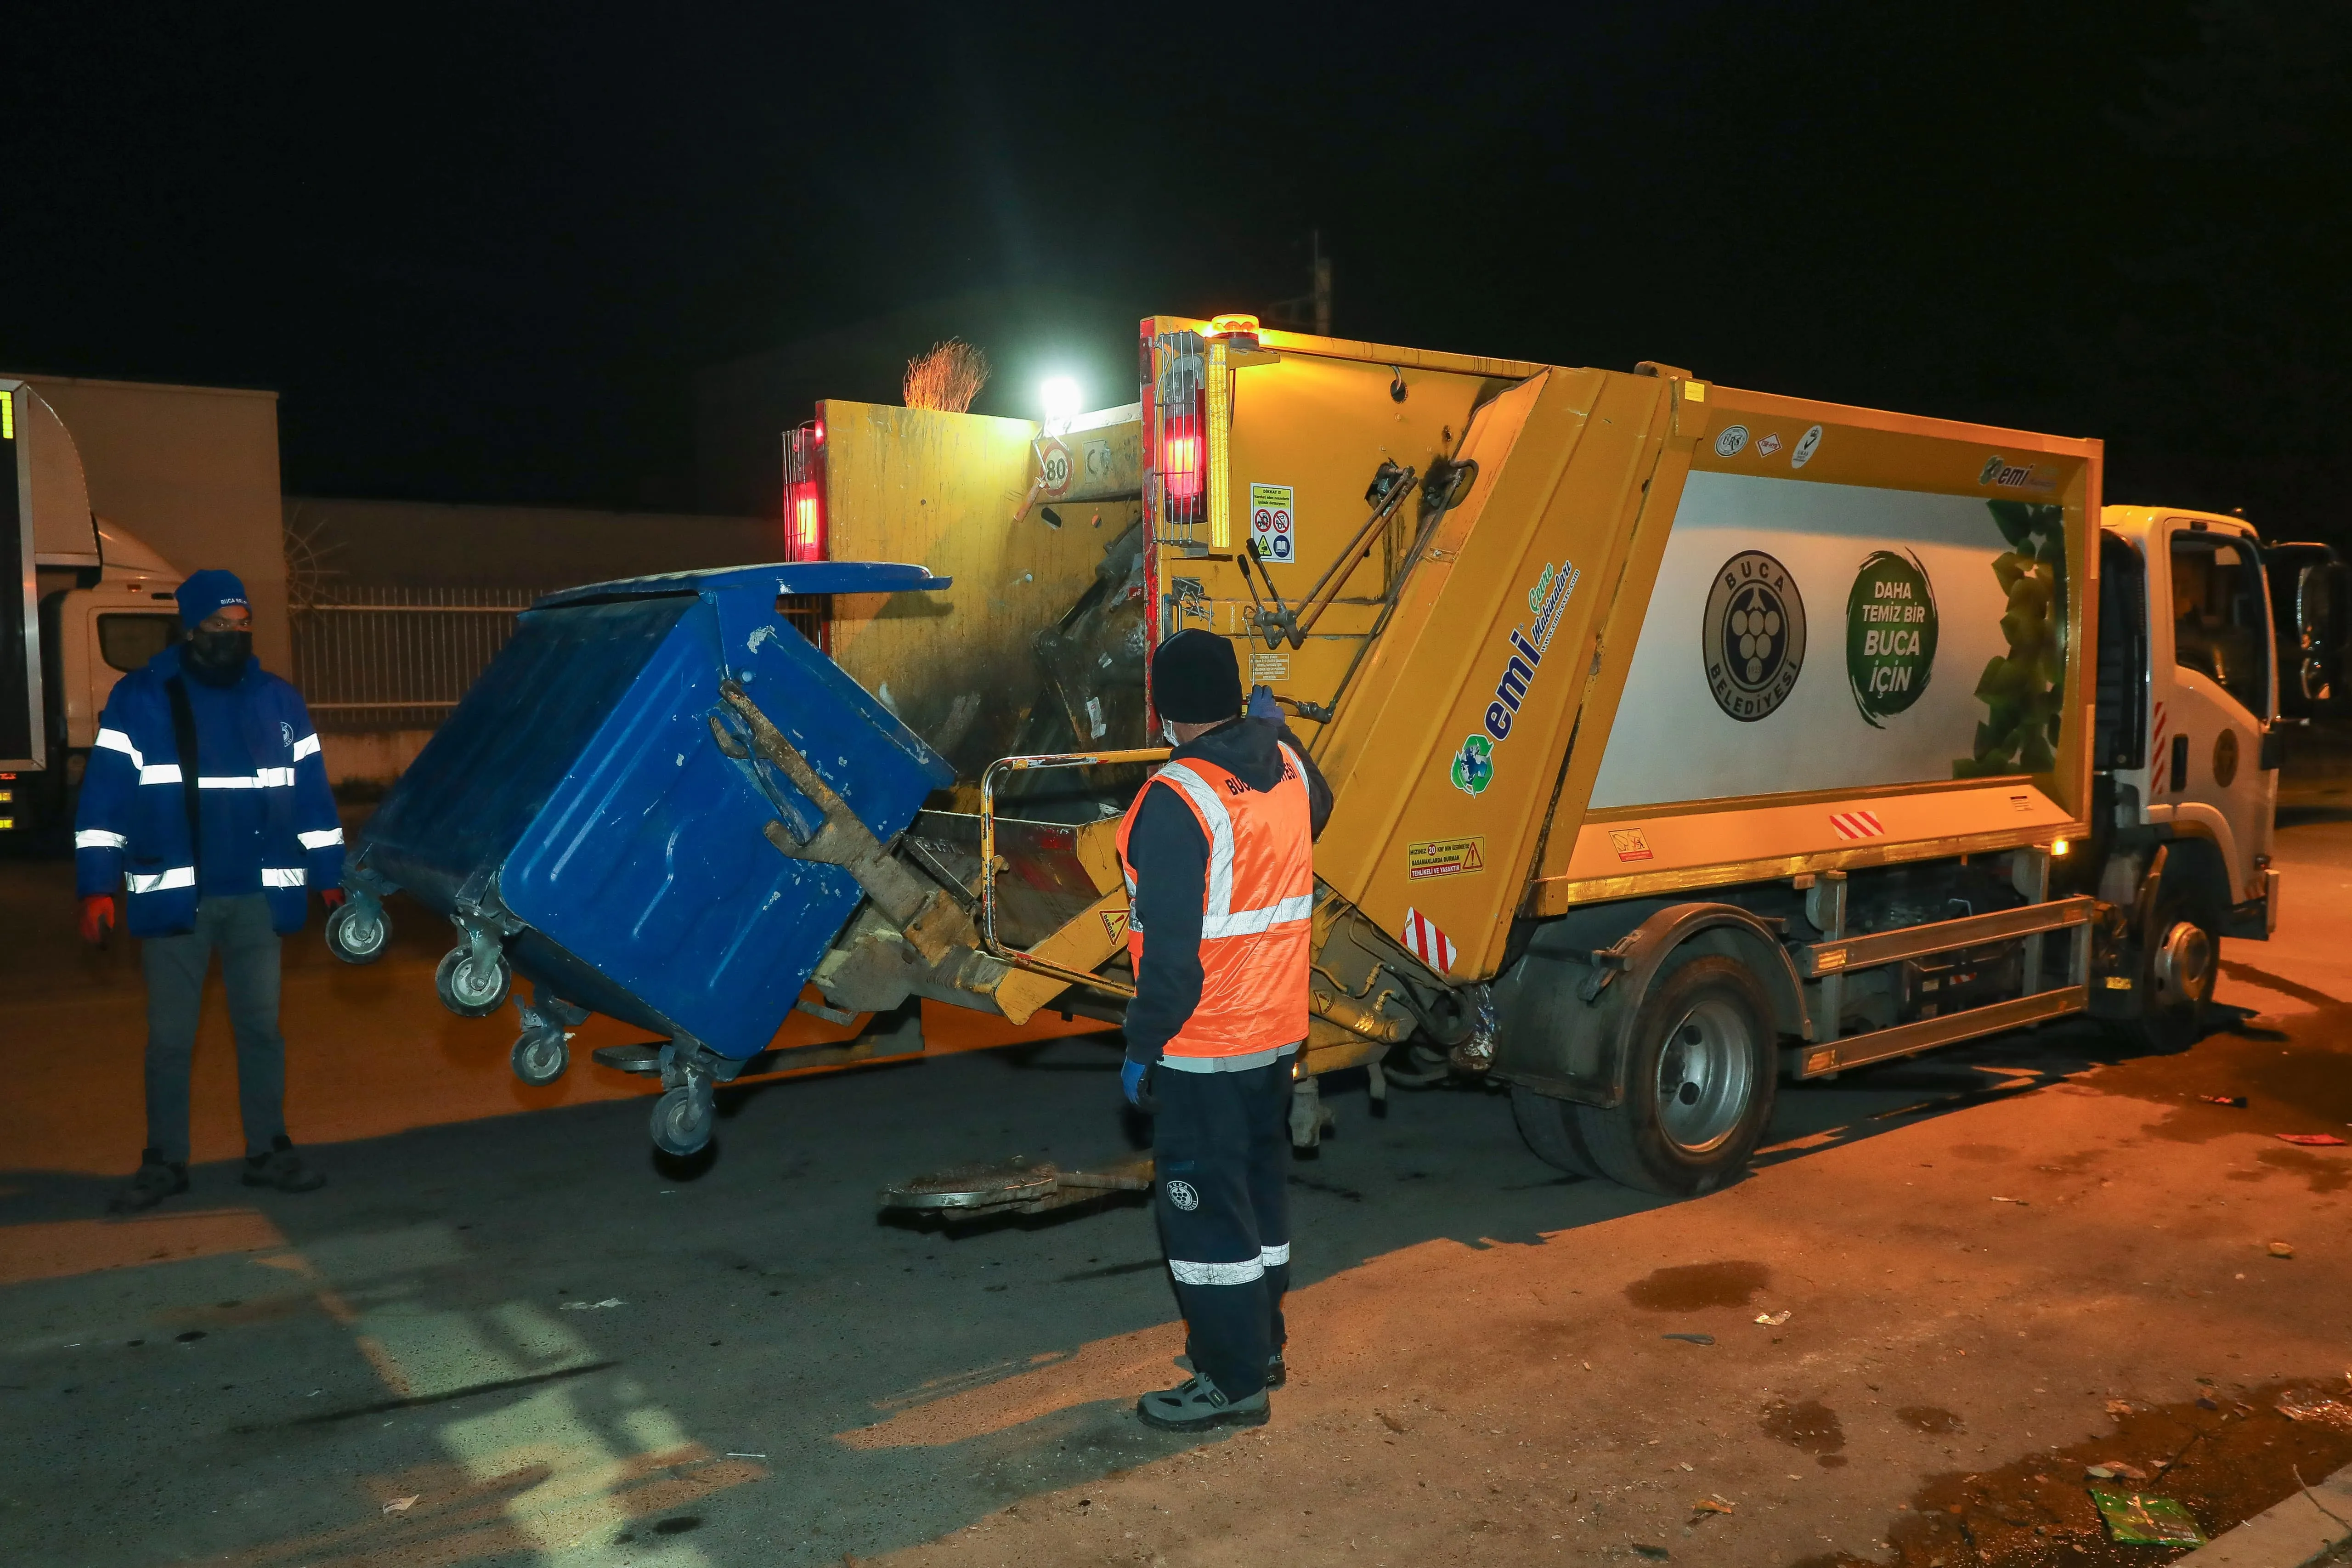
946 376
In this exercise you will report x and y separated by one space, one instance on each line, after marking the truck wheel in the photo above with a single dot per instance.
357 933
468 989
1549 1127
1698 1083
2178 981
682 1120
541 1056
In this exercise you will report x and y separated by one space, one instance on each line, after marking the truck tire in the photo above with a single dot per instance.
1549 1127
2182 966
1699 1080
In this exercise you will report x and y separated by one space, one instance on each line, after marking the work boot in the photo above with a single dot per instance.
283 1169
1196 1405
157 1179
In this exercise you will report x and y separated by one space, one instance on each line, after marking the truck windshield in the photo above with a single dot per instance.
2221 621
128 642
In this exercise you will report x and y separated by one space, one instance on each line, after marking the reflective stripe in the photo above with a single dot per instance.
1274 1256
1217 1273
159 773
1252 922
1220 822
99 838
1243 1063
308 746
267 778
116 741
177 877
321 839
283 876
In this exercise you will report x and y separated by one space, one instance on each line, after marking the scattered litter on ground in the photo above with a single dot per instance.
1655 1553
401 1504
1774 1320
2325 1412
2282 1249
2135 1519
2312 1139
1713 1505
2109 1469
734 1455
2235 1102
593 1306
1388 1421
1691 1339
2021 1203
2119 1406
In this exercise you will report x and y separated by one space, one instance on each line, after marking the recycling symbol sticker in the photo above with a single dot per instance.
1474 765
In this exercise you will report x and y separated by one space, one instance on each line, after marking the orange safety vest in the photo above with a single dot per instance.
1257 909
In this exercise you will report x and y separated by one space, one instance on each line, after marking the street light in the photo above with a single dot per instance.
1060 396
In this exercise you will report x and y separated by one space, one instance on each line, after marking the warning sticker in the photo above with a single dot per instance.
1444 858
1115 925
1629 843
1265 668
1273 523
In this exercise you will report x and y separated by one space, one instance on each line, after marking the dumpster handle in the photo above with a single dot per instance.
1015 956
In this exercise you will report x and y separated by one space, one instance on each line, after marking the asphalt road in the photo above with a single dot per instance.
566 1350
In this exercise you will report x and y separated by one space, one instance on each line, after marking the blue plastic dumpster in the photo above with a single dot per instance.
579 822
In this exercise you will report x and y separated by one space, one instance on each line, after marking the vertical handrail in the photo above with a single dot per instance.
1015 956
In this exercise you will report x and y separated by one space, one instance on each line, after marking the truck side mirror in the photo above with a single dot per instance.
2319 603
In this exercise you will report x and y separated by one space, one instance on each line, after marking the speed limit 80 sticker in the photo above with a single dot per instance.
1274 523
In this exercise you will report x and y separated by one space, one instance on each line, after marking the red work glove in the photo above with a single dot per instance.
332 897
96 917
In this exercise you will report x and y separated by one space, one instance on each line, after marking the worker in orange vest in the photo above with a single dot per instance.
1218 851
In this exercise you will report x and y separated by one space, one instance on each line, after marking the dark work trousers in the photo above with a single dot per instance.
1221 1145
239 930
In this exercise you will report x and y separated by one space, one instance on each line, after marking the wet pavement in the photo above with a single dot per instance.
507 1334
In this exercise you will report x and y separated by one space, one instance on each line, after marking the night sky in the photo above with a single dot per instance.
483 250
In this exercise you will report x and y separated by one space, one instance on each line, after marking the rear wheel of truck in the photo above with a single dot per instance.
1698 1083
1549 1127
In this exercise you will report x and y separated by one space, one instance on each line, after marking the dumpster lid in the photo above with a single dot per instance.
780 577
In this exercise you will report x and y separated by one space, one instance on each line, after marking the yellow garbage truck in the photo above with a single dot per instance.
1684 739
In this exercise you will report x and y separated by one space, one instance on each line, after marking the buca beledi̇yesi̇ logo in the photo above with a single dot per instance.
1753 636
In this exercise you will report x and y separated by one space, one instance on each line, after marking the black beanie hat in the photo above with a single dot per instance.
1195 678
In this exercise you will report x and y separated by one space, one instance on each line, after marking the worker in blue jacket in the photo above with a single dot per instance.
206 799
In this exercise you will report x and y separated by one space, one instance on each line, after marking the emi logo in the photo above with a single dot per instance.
1752 638
1183 1196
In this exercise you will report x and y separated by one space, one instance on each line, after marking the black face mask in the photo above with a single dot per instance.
217 658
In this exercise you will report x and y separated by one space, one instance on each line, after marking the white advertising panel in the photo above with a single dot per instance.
1822 637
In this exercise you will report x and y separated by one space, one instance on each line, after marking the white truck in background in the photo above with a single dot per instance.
93 602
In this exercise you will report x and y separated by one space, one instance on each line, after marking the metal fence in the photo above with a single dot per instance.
398 658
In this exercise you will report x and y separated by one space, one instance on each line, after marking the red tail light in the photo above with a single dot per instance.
804 521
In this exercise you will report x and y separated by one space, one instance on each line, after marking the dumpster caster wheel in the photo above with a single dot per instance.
469 989
682 1120
358 930
539 1057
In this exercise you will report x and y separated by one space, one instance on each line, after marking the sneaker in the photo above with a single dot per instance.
283 1169
156 1180
1275 1375
1196 1405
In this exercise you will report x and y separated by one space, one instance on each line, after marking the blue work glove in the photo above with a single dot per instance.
1262 705
1132 1075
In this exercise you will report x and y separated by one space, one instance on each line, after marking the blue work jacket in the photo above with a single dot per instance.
268 818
